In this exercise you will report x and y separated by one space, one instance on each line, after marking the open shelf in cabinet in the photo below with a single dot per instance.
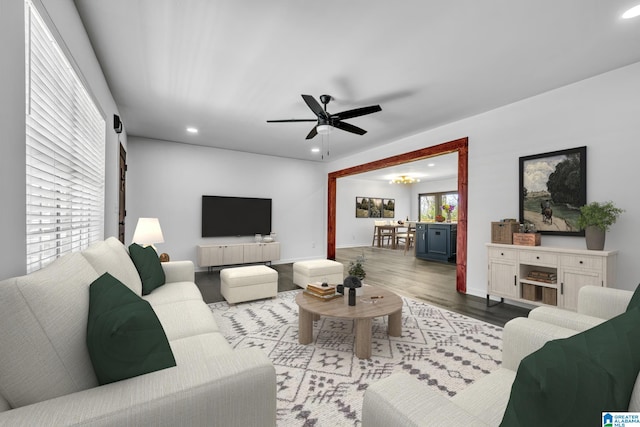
537 292
539 284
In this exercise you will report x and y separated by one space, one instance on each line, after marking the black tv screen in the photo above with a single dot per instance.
235 216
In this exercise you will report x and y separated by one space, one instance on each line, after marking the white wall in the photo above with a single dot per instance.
601 113
70 33
167 180
352 231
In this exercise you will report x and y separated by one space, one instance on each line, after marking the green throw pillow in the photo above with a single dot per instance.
635 299
124 336
148 265
571 381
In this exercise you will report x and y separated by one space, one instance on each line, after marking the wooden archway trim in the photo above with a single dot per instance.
461 146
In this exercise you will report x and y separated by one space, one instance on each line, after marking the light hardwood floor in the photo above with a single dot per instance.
429 281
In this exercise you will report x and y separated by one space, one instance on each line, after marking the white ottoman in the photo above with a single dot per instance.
248 283
317 270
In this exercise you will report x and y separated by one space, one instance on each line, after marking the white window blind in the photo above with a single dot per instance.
65 137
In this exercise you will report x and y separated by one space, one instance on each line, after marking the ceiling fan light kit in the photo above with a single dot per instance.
325 122
324 129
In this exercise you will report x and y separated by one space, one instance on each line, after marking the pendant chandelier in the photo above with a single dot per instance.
403 179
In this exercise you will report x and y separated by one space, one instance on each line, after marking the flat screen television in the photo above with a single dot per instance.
235 216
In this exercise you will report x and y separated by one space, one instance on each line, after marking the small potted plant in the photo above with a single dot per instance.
356 268
595 219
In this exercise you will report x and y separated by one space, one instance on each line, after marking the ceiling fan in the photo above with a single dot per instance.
326 121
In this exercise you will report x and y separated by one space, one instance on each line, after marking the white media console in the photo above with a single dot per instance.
240 253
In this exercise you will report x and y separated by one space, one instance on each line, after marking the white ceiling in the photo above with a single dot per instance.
433 169
227 66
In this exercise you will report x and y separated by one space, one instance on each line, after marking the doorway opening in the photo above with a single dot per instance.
459 146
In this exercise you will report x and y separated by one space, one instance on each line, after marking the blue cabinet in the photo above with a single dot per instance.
421 239
436 241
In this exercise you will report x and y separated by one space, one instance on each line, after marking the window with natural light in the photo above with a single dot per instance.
433 204
65 146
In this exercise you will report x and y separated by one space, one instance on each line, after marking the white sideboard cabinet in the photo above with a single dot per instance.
546 276
233 254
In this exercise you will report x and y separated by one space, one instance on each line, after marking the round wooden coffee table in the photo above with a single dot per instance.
385 303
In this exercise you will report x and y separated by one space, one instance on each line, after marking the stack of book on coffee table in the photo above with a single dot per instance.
322 292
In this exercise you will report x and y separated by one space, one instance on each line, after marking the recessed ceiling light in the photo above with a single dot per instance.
431 165
315 150
631 13
192 130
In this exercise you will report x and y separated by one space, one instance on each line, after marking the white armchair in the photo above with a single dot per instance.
401 400
595 305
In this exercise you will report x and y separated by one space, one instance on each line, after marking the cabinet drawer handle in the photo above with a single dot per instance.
537 257
581 262
437 233
501 253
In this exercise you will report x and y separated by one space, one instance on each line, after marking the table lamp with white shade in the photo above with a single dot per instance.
148 232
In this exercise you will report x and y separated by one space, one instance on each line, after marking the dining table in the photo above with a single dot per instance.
382 230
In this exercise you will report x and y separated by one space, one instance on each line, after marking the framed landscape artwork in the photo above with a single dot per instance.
374 207
388 208
553 187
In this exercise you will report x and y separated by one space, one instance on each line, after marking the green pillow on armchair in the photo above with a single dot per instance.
571 381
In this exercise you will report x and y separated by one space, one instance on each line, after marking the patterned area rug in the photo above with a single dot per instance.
323 383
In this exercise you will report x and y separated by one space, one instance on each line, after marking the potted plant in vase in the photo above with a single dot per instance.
595 219
356 268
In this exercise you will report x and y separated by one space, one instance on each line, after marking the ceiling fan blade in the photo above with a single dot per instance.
312 133
292 120
357 112
315 107
349 128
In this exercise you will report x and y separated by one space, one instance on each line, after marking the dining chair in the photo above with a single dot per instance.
407 237
380 234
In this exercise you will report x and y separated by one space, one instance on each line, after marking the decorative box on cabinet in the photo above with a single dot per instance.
502 232
531 292
436 242
557 274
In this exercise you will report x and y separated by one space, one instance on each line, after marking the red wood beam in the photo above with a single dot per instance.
461 146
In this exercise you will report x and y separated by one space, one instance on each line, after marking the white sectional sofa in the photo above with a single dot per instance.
400 400
47 377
